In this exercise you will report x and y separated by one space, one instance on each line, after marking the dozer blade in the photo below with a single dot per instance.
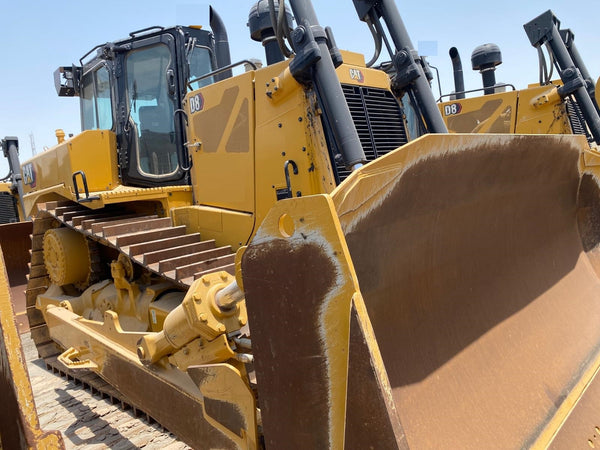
450 289
15 244
19 424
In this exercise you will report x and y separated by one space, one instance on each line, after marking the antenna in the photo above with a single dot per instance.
32 140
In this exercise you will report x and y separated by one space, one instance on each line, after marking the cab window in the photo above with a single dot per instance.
151 109
96 101
200 63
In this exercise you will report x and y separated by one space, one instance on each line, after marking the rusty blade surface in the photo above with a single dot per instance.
19 424
299 290
371 416
483 300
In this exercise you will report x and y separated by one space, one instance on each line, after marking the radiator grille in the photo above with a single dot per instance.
8 211
378 119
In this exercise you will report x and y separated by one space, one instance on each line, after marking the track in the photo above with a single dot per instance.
88 412
150 241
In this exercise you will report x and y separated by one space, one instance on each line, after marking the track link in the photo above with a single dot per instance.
89 413
148 240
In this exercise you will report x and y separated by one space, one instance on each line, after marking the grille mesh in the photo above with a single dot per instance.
8 213
378 120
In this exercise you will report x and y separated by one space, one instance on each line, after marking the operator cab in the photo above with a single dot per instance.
135 87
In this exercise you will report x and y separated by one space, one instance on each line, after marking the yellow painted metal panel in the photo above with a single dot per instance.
288 128
494 113
352 73
94 152
58 192
101 169
352 58
221 134
535 110
549 118
224 226
250 127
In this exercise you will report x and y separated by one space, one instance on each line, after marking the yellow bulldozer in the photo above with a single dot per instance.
272 260
568 105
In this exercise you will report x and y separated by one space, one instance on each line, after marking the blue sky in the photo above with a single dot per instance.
38 36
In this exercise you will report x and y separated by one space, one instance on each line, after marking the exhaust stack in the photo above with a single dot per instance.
221 44
459 81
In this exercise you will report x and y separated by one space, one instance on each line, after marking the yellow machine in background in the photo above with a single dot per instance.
272 260
7 199
11 192
567 106
535 110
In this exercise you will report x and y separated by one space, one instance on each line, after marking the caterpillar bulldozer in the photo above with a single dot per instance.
565 106
273 260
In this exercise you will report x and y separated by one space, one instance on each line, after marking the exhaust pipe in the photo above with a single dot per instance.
459 81
221 44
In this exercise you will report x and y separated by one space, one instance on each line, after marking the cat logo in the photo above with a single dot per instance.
29 175
356 74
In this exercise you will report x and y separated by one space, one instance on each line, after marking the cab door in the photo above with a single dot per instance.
151 132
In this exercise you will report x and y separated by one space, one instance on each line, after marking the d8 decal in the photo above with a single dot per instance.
196 103
452 109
